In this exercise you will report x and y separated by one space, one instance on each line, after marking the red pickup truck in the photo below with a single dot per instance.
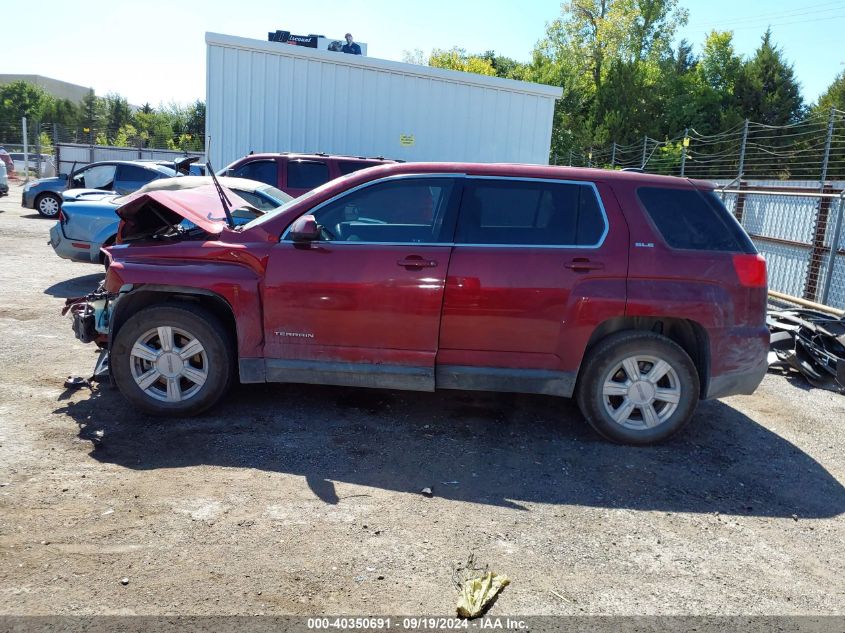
637 294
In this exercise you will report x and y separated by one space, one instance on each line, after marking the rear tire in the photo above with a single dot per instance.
48 205
173 360
638 388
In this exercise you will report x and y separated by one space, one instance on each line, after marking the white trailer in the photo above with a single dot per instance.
270 97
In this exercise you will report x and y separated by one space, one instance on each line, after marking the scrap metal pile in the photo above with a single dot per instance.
810 342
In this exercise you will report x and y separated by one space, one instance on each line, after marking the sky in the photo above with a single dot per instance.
154 51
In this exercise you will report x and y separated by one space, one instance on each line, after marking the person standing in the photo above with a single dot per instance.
351 47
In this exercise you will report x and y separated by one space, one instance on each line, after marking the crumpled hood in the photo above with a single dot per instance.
201 206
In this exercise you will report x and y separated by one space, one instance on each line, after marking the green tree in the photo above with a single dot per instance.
118 113
458 59
833 96
92 117
623 42
195 124
64 112
767 89
22 99
719 65
594 33
699 93
154 129
505 67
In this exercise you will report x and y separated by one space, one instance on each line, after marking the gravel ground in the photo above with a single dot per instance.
295 499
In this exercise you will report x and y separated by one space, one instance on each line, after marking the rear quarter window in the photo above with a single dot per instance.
694 220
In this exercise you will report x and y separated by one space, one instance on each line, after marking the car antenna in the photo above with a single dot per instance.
223 199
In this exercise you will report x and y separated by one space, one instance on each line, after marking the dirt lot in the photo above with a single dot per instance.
304 500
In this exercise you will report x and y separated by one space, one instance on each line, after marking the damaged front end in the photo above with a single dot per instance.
91 317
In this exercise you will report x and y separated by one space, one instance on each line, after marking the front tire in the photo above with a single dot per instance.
48 205
169 360
638 388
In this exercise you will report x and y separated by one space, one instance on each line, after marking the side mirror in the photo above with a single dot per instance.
63 176
305 229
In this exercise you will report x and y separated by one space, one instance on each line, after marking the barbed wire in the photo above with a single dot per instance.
798 150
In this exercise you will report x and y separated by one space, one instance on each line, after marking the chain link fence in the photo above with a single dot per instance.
43 142
813 149
795 226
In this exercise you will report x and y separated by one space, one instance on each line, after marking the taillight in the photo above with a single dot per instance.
751 270
61 216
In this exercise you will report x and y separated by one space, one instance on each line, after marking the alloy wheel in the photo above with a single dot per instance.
169 364
641 392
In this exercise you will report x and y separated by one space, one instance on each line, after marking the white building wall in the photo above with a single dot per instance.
269 97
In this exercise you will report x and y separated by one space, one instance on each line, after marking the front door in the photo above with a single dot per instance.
361 306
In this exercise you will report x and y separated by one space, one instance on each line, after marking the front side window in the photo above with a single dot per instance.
405 210
96 177
261 170
307 174
530 213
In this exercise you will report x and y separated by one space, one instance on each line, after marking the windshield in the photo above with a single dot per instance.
276 194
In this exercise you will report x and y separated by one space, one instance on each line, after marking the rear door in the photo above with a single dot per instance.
361 306
536 265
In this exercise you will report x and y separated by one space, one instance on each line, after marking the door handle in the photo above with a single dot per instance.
582 264
415 261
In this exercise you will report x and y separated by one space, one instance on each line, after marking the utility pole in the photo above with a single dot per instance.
684 146
613 155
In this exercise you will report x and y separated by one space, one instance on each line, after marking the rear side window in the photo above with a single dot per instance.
304 174
350 166
132 177
694 220
530 213
261 170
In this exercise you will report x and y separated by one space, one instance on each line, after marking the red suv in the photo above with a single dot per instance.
296 174
636 294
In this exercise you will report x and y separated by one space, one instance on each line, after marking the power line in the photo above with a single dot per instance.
776 15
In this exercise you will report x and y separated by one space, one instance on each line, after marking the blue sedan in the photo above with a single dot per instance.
118 176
